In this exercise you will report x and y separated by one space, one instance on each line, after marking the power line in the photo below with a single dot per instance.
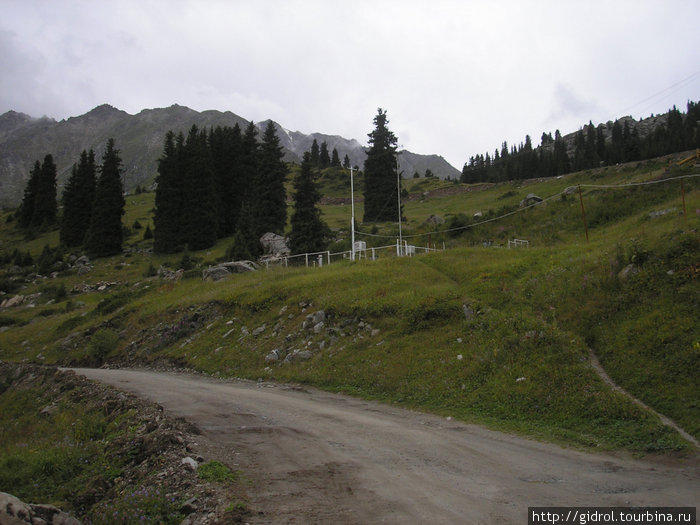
666 91
519 210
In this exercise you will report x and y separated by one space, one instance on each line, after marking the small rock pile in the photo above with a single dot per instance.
13 511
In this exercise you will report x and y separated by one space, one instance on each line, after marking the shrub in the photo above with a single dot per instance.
102 343
216 471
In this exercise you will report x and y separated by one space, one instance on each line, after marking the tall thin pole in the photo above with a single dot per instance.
398 191
352 219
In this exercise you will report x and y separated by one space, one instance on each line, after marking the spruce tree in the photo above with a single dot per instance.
167 221
226 146
309 233
324 159
246 244
45 207
200 209
381 202
78 197
315 155
346 162
104 236
269 200
335 159
27 206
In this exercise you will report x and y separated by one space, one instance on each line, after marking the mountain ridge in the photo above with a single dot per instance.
25 139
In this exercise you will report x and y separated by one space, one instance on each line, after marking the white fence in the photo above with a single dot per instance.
319 259
518 243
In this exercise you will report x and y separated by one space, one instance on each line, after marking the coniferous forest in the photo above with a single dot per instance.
218 184
92 206
605 144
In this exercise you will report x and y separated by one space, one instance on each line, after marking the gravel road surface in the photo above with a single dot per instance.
317 457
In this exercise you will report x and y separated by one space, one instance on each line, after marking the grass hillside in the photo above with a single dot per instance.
477 332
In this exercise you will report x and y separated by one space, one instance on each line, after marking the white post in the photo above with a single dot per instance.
329 256
307 260
373 258
398 191
352 219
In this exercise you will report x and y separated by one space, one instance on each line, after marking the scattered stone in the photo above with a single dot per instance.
459 357
375 332
628 271
259 330
520 379
435 220
530 200
189 506
273 356
15 301
305 355
661 213
190 463
468 312
220 271
15 512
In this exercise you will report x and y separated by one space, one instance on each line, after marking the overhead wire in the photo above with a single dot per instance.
525 208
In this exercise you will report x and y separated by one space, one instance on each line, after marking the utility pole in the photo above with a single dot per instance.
398 191
352 218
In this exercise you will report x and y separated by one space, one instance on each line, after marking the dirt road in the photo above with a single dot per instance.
316 457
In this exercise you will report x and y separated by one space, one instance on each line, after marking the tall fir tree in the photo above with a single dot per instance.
167 235
324 159
315 154
78 197
200 201
104 236
26 211
381 177
335 158
309 233
226 144
269 200
246 245
45 206
346 162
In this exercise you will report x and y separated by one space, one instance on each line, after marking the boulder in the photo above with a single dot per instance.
15 512
273 356
628 271
315 318
530 200
274 245
220 271
15 301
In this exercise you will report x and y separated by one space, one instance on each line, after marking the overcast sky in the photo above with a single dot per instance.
456 77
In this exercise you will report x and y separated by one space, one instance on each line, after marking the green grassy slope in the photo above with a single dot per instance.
483 334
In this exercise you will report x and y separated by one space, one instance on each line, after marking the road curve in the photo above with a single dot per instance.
316 457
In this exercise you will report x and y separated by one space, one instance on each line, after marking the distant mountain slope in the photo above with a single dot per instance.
24 139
